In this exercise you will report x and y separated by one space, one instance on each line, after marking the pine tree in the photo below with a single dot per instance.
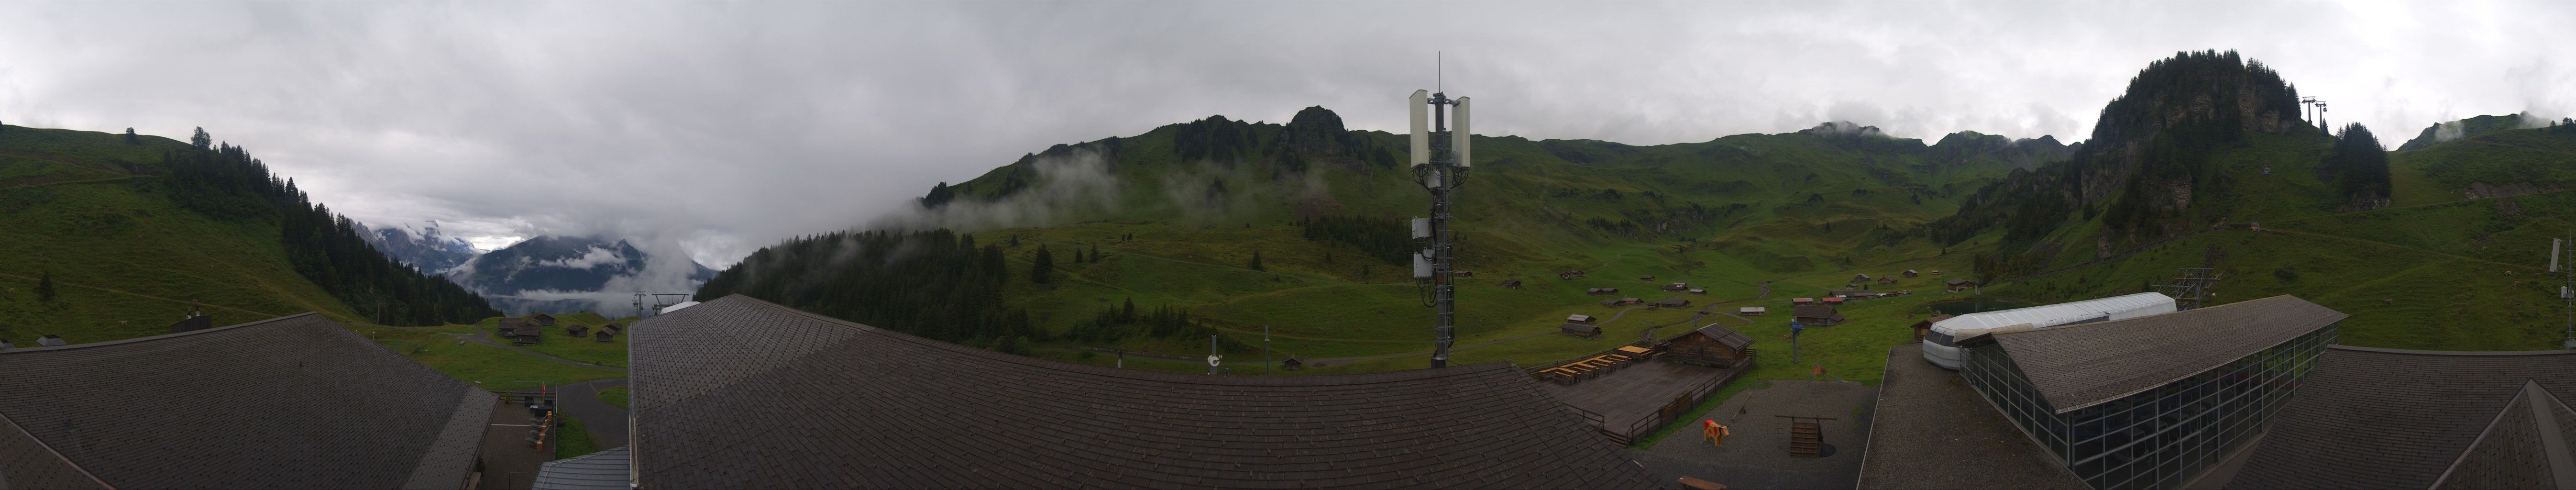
1256 260
1095 252
202 140
1041 267
45 288
131 138
1128 313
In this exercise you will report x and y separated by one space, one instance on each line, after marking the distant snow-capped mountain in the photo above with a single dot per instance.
559 274
425 247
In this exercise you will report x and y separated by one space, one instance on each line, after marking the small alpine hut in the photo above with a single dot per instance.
1830 300
1857 294
1672 303
1887 279
1753 311
612 328
1925 326
1292 363
1570 275
1802 301
1959 284
1678 286
1821 316
1645 278
1610 303
576 330
1860 277
1579 330
511 326
1713 345
604 335
1630 301
1583 319
1511 284
541 319
1912 273
1697 291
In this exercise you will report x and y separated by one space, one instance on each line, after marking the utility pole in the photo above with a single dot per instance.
1212 355
1440 160
2567 290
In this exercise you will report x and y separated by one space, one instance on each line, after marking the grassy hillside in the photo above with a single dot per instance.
127 262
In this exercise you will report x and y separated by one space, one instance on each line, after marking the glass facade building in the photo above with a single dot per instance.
2162 437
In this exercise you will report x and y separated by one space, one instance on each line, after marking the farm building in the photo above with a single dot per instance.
1713 345
1631 301
1911 273
1610 303
1599 291
612 328
576 331
1511 284
1292 363
1817 316
1957 285
1925 326
1802 301
541 319
1697 291
604 335
1860 278
1830 300
1579 330
1570 275
1887 279
289 402
1753 311
1645 278
1578 319
1672 303
867 394
1678 286
51 340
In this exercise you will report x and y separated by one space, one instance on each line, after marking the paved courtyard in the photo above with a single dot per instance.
1934 432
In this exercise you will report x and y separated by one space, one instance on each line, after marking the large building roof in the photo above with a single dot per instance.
2385 418
289 402
604 470
2077 366
739 392
2056 314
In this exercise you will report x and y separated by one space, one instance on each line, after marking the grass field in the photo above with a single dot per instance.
557 343
493 368
615 396
573 439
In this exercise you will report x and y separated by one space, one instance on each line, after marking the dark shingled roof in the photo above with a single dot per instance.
289 402
604 470
2077 366
2386 418
739 392
1730 337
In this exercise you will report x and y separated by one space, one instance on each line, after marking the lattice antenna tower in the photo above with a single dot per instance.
1440 158
2192 287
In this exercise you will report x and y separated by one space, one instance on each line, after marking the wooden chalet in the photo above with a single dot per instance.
1697 291
508 326
1510 284
1292 363
1925 326
1957 285
604 335
1570 275
1609 303
1601 291
1678 286
1645 278
1912 273
613 328
1631 301
1713 345
1583 319
1672 303
1830 300
576 330
1753 311
1579 330
1860 278
541 319
1887 279
1802 301
1818 316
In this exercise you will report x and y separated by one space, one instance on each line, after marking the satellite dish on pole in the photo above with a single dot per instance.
1212 359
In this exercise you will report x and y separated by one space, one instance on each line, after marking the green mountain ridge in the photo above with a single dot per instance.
135 230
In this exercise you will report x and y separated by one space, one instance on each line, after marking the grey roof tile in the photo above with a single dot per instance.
2077 366
2386 418
738 392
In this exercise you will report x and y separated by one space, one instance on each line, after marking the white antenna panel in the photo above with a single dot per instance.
2555 244
1458 132
1430 181
1422 227
1421 267
2565 293
1420 107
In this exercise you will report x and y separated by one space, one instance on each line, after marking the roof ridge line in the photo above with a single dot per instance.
49 449
2453 352
135 340
1138 374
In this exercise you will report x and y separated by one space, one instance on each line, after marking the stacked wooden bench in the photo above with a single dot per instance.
1571 372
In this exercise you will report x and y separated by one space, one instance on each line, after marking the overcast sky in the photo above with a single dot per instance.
722 127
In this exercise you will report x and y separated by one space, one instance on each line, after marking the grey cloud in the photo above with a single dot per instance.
716 128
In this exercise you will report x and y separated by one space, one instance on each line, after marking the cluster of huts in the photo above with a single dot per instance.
531 329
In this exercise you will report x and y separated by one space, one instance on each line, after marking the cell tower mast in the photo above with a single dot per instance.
2192 287
1440 159
2567 290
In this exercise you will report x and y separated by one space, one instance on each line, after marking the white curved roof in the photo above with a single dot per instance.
677 307
2058 314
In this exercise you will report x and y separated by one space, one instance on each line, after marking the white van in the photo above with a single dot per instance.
1941 345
